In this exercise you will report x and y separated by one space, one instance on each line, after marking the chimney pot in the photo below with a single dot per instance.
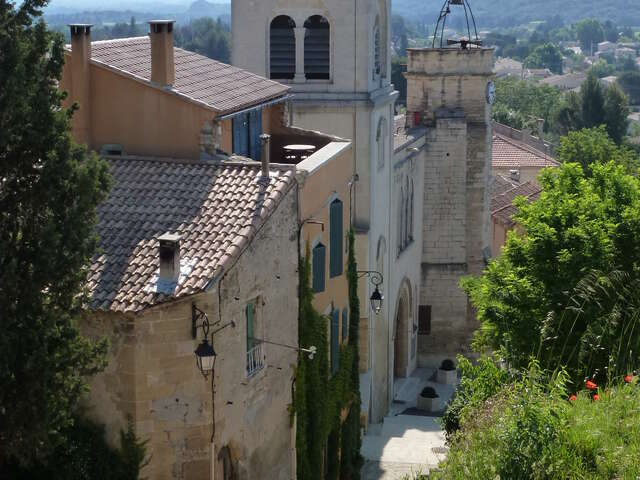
515 175
81 80
169 246
162 62
266 152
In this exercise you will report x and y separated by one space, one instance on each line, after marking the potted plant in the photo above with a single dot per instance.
447 372
428 400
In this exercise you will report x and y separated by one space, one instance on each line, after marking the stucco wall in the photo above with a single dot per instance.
324 180
153 376
146 120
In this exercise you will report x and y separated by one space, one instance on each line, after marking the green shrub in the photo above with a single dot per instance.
85 455
477 384
529 430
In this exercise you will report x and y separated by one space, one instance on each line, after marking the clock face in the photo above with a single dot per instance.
491 92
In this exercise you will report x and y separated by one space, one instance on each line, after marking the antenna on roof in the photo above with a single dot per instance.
442 21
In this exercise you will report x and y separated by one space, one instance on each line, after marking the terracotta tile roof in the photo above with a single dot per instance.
216 208
217 85
501 184
502 207
510 153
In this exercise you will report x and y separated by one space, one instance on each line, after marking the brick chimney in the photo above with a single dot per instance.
81 80
162 66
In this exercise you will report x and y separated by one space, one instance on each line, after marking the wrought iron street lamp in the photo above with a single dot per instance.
376 299
205 354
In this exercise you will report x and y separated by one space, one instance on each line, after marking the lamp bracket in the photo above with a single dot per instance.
376 277
196 316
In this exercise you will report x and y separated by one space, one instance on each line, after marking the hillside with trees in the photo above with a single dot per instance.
508 13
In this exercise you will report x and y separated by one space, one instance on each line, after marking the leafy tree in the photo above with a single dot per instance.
546 56
567 117
602 68
594 146
590 33
49 190
616 113
610 31
592 102
526 299
630 83
398 67
206 37
524 101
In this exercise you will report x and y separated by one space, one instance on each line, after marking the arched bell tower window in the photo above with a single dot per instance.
317 48
377 69
282 56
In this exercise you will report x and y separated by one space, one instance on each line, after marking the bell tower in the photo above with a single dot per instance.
336 57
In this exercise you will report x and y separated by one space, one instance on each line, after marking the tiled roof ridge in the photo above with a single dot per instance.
120 40
536 191
524 146
202 85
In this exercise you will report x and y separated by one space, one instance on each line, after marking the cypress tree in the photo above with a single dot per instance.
49 190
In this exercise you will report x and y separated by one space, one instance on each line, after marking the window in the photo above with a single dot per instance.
317 266
376 50
345 324
335 237
381 141
335 341
405 215
282 39
255 351
247 128
424 320
317 48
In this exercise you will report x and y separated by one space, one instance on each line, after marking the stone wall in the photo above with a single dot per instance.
447 92
152 375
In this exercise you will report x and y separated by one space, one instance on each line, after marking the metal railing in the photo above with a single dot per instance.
255 359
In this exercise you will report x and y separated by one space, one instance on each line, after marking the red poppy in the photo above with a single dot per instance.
573 397
596 397
628 378
591 385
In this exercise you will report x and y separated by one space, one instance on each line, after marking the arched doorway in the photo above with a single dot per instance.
401 332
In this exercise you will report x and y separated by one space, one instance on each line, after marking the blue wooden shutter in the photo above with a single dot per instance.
318 266
241 134
335 344
345 324
255 130
335 244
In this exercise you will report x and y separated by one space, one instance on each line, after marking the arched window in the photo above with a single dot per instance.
376 49
317 48
401 221
410 237
282 55
381 137
407 218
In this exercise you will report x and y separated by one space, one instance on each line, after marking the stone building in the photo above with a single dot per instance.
335 57
181 133
171 239
449 92
421 218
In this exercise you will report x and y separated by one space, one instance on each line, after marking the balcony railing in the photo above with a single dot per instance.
255 359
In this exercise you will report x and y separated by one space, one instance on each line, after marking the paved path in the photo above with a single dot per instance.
405 444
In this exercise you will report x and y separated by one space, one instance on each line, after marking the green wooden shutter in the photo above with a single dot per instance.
335 234
318 265
345 324
250 326
335 344
255 130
